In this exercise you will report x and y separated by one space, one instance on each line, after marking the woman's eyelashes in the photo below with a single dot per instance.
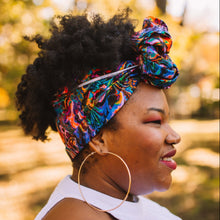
158 122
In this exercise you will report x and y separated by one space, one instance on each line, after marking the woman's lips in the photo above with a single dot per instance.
168 161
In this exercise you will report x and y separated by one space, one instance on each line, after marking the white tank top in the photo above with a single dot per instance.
144 209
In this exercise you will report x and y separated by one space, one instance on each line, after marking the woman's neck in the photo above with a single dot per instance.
96 179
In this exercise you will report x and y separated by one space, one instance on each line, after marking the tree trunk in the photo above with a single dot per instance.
161 4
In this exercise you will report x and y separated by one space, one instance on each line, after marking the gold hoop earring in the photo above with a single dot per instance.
129 184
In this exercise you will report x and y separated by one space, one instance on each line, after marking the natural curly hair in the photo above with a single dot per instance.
76 45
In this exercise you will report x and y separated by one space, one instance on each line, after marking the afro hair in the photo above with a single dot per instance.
76 45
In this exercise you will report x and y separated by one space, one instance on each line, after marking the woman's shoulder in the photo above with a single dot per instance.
70 208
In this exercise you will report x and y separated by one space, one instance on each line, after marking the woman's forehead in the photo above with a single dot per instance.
145 100
147 96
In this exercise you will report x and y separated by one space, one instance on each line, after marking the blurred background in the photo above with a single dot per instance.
29 170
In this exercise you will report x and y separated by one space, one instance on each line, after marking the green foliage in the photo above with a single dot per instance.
195 58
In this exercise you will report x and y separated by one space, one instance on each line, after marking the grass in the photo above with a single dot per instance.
30 170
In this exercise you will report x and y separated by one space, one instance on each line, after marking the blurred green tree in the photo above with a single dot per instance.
196 59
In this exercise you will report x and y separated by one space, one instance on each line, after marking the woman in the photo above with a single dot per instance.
100 85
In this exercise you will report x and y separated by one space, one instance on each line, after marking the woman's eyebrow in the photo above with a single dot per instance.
156 109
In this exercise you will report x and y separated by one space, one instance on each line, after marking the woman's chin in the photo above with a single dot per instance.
148 191
163 189
165 185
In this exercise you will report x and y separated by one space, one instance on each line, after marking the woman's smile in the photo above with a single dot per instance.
168 161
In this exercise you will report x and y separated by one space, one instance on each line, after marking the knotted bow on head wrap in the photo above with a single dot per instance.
81 113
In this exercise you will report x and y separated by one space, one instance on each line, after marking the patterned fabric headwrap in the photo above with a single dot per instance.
82 112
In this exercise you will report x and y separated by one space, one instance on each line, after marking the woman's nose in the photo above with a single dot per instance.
173 137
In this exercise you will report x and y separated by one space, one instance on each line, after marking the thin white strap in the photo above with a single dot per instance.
106 76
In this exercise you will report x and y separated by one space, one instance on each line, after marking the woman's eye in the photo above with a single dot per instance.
154 122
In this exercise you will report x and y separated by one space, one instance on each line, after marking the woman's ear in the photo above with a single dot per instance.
98 144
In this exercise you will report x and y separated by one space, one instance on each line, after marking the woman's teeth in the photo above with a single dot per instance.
167 159
169 162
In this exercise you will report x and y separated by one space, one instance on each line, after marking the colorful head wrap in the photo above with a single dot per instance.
82 112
